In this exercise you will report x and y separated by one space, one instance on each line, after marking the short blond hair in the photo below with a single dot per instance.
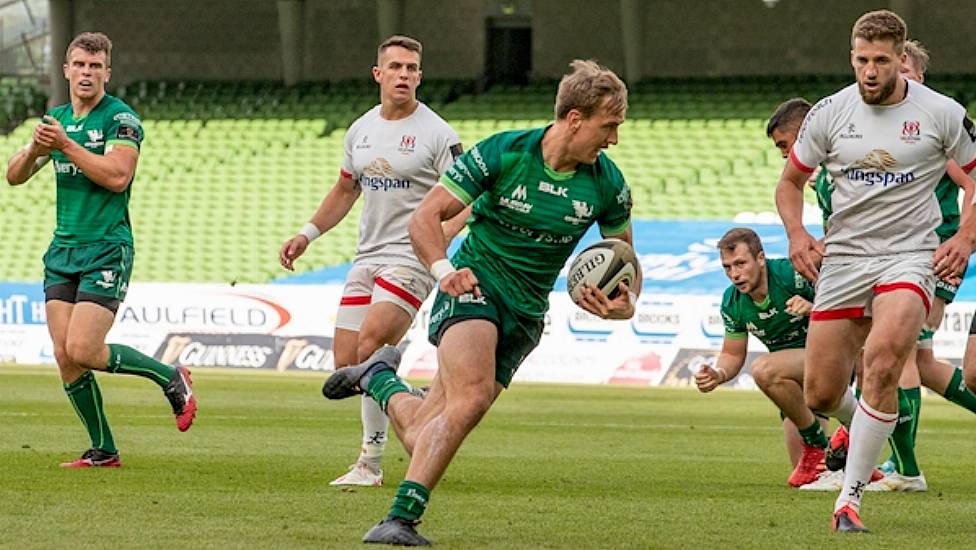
404 42
881 25
919 55
91 42
589 87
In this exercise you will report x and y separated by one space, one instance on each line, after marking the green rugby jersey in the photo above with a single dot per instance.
527 218
946 192
86 211
769 321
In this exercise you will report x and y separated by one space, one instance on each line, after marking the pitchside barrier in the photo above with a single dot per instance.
288 326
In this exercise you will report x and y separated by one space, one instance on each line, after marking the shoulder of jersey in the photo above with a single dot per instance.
365 117
116 105
730 296
430 116
924 94
514 140
606 167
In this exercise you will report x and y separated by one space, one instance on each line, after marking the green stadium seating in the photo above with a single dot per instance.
232 169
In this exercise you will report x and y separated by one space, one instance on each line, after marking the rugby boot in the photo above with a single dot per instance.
350 381
95 458
179 392
396 531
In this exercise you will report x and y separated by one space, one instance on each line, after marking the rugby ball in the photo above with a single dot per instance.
603 264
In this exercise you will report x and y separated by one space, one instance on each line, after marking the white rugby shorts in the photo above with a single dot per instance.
405 286
846 288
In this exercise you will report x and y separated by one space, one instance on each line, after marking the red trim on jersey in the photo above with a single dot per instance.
876 417
842 313
344 174
399 292
799 164
881 289
355 300
969 167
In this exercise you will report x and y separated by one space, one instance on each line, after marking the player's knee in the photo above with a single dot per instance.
468 412
83 353
61 356
762 372
820 401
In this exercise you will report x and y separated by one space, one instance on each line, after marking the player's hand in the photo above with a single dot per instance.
592 299
460 282
806 254
39 150
51 134
291 250
952 257
799 306
707 378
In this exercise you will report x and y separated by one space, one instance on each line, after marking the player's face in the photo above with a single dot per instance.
593 134
744 270
86 73
398 73
876 66
910 71
784 138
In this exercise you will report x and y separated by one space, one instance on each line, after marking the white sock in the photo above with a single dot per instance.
845 410
375 425
869 432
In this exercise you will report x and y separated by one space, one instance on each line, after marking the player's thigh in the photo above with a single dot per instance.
934 319
831 353
897 319
466 359
90 323
786 364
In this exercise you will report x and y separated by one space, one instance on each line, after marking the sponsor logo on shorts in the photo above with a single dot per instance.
108 279
470 298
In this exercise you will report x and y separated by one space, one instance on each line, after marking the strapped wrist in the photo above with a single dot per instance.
441 268
310 231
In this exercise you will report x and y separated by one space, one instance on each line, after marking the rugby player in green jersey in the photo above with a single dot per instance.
94 142
769 300
534 194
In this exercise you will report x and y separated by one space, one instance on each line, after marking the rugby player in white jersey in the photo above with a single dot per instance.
885 143
394 154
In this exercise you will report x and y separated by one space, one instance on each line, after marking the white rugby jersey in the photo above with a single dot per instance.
885 162
395 163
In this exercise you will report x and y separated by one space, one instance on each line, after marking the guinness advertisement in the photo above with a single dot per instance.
247 351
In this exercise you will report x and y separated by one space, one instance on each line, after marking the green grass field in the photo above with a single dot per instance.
550 467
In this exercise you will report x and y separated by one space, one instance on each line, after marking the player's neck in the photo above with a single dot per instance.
761 292
555 148
82 106
899 94
393 111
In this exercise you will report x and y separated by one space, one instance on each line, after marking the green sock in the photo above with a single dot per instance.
901 440
914 396
383 385
86 398
410 501
958 393
125 360
814 436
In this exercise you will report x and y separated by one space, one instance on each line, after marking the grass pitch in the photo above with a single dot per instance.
551 466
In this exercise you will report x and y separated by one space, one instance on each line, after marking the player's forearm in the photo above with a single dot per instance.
789 203
453 226
106 171
427 235
730 364
24 164
335 206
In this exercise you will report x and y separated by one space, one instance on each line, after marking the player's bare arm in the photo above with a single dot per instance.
805 251
334 207
27 162
114 170
952 257
622 306
454 225
430 245
728 365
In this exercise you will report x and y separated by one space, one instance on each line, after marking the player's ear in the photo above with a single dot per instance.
761 257
376 74
108 74
64 69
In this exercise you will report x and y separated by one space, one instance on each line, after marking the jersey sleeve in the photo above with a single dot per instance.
475 171
448 149
960 139
615 218
348 169
124 128
811 146
734 328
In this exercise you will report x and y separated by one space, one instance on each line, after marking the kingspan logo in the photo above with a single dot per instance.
875 168
379 176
